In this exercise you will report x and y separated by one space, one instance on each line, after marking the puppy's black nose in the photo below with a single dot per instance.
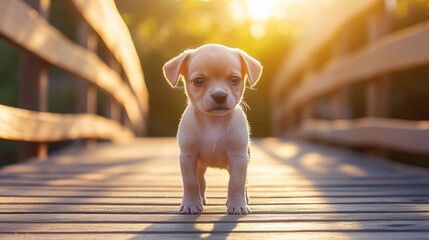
219 97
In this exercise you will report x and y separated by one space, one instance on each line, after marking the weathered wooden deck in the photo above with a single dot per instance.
133 191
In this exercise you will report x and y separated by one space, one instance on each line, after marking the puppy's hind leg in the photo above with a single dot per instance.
202 183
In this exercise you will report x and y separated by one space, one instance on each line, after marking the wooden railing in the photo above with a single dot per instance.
25 24
312 99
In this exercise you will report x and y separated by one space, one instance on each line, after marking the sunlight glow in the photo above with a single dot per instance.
262 10
259 12
352 170
284 150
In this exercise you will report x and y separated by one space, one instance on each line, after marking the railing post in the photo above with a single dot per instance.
340 99
33 87
276 124
378 97
307 108
307 111
340 104
113 110
378 89
86 92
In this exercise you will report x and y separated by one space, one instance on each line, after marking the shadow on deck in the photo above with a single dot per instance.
297 191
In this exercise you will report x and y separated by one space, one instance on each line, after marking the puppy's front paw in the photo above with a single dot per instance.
191 207
238 209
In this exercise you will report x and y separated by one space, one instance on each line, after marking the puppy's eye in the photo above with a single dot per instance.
199 81
235 80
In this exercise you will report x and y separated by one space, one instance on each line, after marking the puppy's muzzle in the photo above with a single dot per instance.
219 97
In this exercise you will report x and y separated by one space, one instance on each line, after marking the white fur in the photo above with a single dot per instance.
213 134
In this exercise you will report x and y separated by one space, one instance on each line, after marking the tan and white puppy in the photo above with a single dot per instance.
213 131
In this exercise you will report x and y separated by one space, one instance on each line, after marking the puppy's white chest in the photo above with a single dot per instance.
212 146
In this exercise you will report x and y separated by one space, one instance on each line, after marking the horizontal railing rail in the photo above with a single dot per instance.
24 125
395 52
106 21
315 103
303 51
397 134
29 29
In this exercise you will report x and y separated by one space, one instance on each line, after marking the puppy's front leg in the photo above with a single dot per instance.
202 183
237 196
191 202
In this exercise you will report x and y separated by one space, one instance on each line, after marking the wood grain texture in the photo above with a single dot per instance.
256 209
104 18
26 28
297 235
205 218
394 226
23 125
133 190
400 135
105 200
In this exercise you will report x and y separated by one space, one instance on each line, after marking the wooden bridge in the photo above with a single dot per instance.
131 188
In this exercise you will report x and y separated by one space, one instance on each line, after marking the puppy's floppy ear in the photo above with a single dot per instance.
252 67
175 67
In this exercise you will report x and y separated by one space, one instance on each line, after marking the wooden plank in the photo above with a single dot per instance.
136 185
417 192
404 49
103 16
402 135
394 226
392 188
231 235
281 184
24 27
5 200
23 125
212 192
111 169
147 179
91 179
257 209
294 160
115 204
205 218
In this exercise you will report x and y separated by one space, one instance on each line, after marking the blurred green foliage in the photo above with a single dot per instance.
162 29
9 61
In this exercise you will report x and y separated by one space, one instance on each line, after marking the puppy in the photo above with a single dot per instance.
213 131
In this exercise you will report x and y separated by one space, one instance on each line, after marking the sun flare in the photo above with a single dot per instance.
259 12
262 10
